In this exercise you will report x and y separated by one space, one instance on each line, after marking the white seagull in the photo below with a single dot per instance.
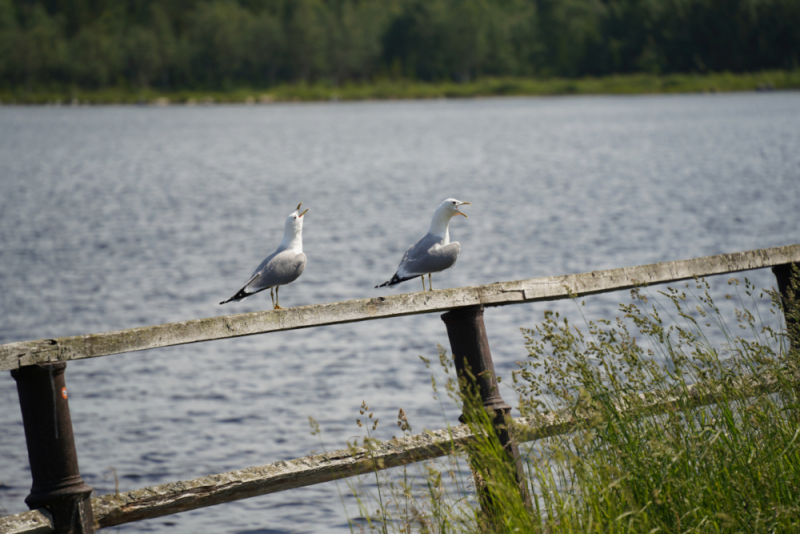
281 267
434 252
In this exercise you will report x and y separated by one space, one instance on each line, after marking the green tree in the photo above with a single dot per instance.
9 32
572 39
264 47
354 33
217 45
143 56
95 58
38 50
228 43
305 22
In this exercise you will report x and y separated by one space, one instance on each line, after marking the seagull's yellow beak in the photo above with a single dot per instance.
298 207
464 214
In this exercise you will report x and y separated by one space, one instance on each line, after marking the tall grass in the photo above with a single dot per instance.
631 467
684 418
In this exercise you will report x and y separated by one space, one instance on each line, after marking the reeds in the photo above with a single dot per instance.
684 418
632 466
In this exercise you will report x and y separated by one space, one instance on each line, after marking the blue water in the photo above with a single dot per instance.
117 217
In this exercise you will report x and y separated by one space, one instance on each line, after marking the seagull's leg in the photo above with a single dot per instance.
423 282
272 297
277 306
430 283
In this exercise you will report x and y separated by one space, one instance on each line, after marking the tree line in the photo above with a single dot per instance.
222 44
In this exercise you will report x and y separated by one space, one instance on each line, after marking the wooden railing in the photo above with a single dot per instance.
37 365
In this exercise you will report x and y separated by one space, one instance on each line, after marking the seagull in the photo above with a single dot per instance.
281 267
434 252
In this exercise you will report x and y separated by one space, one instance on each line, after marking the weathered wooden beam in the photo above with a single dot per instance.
33 522
174 497
15 355
177 497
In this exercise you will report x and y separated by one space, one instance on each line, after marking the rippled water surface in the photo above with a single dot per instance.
118 217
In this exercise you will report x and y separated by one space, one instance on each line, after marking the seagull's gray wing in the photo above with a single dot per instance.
264 264
277 269
425 257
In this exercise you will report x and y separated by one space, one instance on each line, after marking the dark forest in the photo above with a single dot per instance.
224 44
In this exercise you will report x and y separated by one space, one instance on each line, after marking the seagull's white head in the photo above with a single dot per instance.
294 222
450 207
441 218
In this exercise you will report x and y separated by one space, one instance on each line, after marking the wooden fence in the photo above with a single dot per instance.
61 502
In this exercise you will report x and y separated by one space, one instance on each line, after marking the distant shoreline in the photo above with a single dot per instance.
628 84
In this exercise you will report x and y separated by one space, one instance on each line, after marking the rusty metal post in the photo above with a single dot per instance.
57 483
789 299
470 347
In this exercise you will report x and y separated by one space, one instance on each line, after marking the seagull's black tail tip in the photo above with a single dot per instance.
394 281
238 296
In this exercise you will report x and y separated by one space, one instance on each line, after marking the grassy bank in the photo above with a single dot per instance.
387 89
732 466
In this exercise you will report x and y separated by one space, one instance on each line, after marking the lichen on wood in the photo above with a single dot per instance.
174 497
32 522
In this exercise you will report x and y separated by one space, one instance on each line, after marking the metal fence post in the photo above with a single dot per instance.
790 300
470 347
57 483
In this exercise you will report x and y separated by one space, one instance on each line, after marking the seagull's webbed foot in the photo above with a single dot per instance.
276 305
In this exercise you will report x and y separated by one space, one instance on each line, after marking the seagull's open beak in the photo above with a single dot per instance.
464 214
298 207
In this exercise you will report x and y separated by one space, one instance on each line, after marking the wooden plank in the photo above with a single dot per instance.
14 355
33 522
655 273
174 497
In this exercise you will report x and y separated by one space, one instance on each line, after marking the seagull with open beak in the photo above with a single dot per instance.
434 252
283 266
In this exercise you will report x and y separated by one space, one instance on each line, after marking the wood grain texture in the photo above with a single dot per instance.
174 497
33 522
15 355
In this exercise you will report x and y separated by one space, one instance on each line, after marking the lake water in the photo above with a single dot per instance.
117 217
